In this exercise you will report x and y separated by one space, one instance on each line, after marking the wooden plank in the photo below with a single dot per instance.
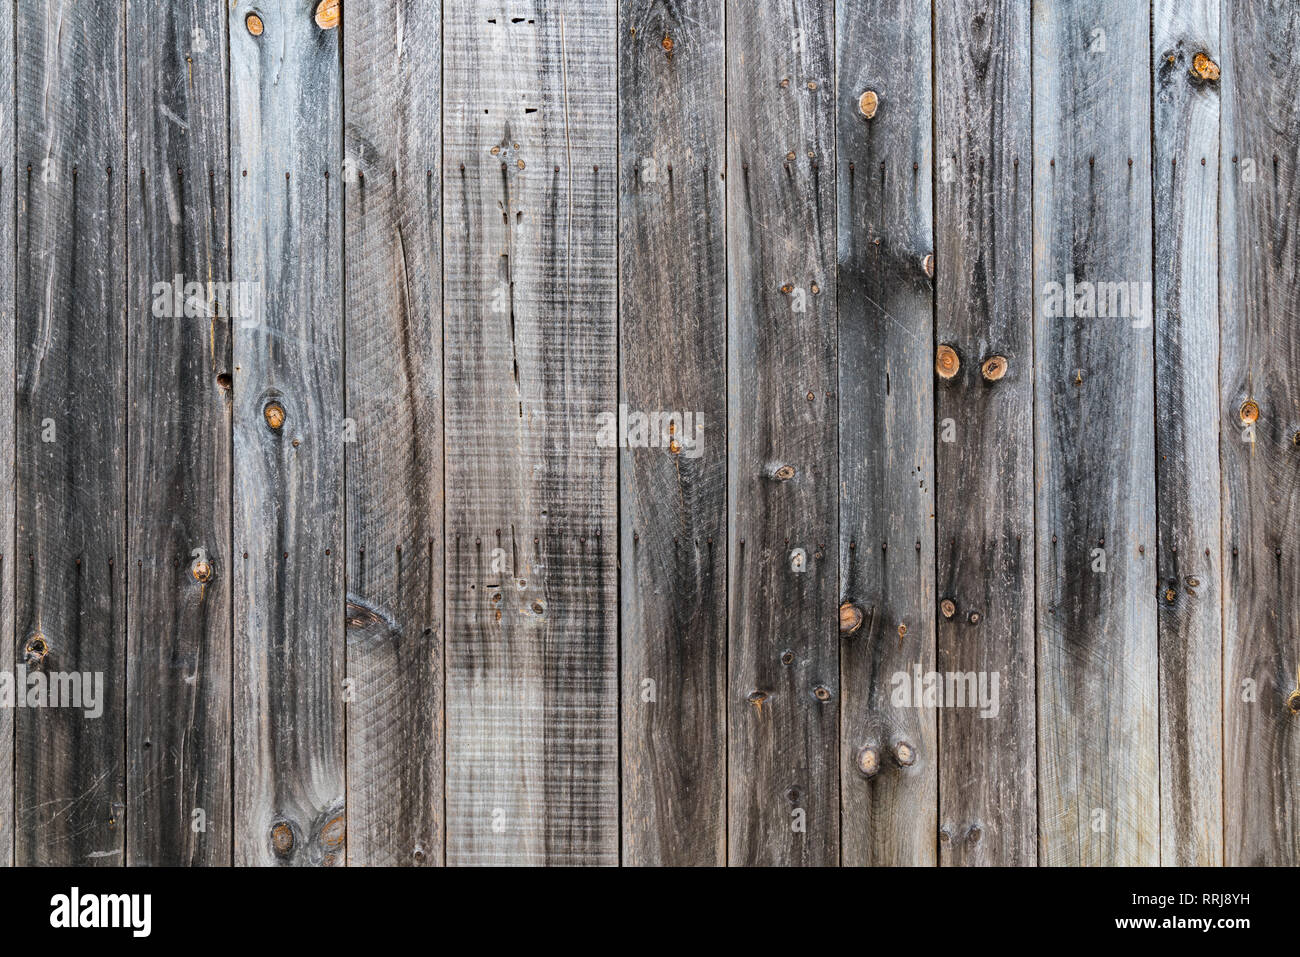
530 206
673 519
1097 655
1258 296
286 233
1186 222
71 381
178 622
886 387
984 452
8 208
391 101
783 659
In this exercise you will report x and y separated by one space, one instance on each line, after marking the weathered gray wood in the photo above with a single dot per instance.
673 519
1186 223
886 387
783 660
179 577
286 233
7 200
984 453
1259 292
530 189
70 425
1097 655
391 71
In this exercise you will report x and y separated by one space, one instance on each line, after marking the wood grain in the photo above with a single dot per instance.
783 665
886 388
1186 222
530 209
673 505
179 578
1258 295
70 426
391 103
984 451
8 200
287 235
1098 770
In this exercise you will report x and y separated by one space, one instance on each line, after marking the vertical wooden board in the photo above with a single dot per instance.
1258 296
8 199
888 750
178 375
286 234
1186 223
529 173
70 418
1095 501
984 448
783 660
393 437
672 523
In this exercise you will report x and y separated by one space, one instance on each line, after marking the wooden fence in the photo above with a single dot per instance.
650 431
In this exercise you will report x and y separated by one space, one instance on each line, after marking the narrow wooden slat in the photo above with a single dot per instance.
7 262
70 436
1186 223
1095 497
1260 441
673 321
286 233
984 452
886 387
393 437
783 661
530 190
178 374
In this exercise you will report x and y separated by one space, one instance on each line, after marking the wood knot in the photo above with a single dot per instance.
202 572
282 838
1293 702
867 761
784 473
946 362
927 264
868 102
994 368
850 619
327 14
948 608
822 693
254 24
334 832
274 415
36 648
904 754
1203 68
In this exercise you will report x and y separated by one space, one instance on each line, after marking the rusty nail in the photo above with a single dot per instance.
1204 67
674 446
946 362
850 619
202 572
867 760
327 14
254 24
867 104
274 415
667 43
994 368
902 630
948 607
1249 411
757 697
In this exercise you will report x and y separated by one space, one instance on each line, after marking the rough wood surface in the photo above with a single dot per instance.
70 426
1098 771
178 362
783 663
287 234
1258 295
8 197
886 390
391 70
1186 222
673 519
530 208
984 449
